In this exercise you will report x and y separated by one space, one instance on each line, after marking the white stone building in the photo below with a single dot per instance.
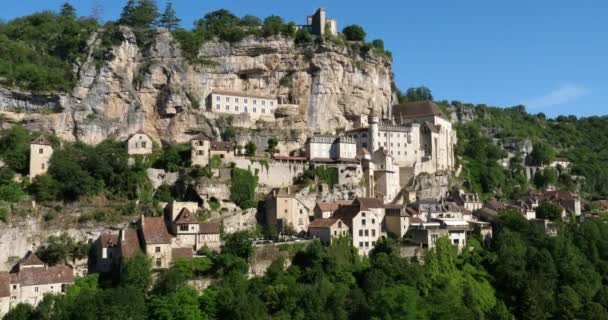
236 103
382 176
364 219
40 156
318 24
328 148
139 143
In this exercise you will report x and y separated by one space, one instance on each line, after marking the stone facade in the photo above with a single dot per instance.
330 148
364 219
200 150
236 103
318 24
40 156
327 230
139 143
283 209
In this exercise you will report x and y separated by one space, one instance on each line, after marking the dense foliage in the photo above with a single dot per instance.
581 140
242 189
37 52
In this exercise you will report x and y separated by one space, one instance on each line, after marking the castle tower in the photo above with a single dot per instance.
374 131
40 156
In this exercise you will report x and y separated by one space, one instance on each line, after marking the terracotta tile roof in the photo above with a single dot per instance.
220 146
209 228
417 109
559 195
601 203
155 231
108 240
42 140
43 275
31 259
322 223
369 203
185 217
241 94
130 245
177 253
5 282
333 206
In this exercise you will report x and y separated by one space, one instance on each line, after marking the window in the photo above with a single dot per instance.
255 110
456 241
236 99
217 98
300 221
360 233
42 166
255 101
157 249
35 289
373 243
272 103
367 233
363 222
245 100
227 99
201 152
366 243
183 227
263 110
363 214
41 151
301 211
236 108
373 221
335 232
364 145
217 106
360 244
245 108
143 144
227 108
343 232
14 287
373 232
385 134
158 262
339 224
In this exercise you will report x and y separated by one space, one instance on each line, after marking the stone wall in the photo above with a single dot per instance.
277 174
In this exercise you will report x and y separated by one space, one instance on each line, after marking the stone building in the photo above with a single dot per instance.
111 248
327 230
318 24
156 241
326 148
40 156
568 200
139 143
397 220
236 103
382 176
200 147
31 279
5 292
284 209
324 210
364 219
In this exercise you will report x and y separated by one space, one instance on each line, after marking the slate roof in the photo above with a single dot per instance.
177 253
322 223
130 245
5 281
155 231
43 275
209 228
559 195
220 146
369 203
348 212
333 206
200 137
417 109
185 217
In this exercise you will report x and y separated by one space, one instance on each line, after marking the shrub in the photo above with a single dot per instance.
250 149
242 189
302 36
354 33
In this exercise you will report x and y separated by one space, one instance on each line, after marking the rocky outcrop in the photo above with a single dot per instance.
323 86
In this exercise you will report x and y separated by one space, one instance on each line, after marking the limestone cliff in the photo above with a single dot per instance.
322 86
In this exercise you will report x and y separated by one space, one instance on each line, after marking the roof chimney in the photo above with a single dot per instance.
122 234
142 220
288 190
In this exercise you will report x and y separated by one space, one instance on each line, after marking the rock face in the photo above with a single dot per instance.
156 89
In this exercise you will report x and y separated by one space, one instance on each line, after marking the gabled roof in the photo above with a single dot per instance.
155 231
322 223
177 253
42 140
559 195
220 146
348 212
43 275
333 206
108 240
209 228
416 109
31 259
130 245
369 203
601 203
140 131
185 217
5 281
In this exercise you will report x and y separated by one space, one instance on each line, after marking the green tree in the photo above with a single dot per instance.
250 149
136 272
62 249
272 146
180 304
242 189
68 11
549 210
250 21
139 13
303 36
15 148
378 44
273 25
354 32
418 94
542 154
168 19
22 311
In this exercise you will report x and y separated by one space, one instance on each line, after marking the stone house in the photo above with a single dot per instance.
567 199
200 147
326 209
107 252
190 233
426 234
236 103
31 279
139 143
222 149
284 209
397 220
327 229
364 219
156 241
40 156
209 235
469 201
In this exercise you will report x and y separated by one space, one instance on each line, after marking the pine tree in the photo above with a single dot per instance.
140 13
68 11
169 19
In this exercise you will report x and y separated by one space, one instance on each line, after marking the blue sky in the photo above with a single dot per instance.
551 55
